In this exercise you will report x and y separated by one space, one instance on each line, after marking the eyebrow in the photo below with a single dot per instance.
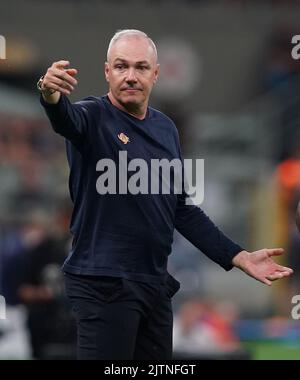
136 63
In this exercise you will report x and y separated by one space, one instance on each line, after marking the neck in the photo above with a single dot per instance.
134 110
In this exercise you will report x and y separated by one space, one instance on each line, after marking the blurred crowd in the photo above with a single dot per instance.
204 329
34 241
282 80
33 167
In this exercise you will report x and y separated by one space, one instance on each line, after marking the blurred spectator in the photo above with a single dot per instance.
282 77
33 165
34 174
288 190
50 323
203 330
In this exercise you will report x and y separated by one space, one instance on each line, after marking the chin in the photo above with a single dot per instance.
131 101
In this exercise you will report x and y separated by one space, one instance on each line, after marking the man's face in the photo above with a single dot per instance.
131 71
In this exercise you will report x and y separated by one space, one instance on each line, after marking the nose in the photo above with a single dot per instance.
131 77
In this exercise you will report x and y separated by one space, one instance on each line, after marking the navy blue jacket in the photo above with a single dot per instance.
124 234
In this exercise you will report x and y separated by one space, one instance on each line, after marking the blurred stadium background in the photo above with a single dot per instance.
229 82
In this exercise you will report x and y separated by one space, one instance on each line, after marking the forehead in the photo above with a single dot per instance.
132 49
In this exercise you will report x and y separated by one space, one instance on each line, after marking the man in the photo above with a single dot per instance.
116 276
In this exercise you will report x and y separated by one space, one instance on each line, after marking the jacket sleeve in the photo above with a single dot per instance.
196 226
71 120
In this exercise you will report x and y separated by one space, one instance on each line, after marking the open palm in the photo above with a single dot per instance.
261 266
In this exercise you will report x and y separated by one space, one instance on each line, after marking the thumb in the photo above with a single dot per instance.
275 251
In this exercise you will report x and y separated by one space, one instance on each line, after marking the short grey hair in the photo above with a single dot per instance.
129 33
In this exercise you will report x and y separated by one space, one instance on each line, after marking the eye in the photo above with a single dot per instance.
120 66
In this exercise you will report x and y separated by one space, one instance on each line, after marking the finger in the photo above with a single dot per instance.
72 72
53 86
266 281
275 251
61 83
57 84
61 64
62 74
286 273
272 277
284 269
277 276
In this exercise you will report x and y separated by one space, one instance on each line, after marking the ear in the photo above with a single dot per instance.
156 73
106 71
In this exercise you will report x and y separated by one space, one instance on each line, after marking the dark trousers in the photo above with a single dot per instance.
122 319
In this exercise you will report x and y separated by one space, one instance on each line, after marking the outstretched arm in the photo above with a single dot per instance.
261 266
196 226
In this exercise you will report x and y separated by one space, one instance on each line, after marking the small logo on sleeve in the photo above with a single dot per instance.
123 138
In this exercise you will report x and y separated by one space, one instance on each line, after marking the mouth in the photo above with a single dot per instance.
131 90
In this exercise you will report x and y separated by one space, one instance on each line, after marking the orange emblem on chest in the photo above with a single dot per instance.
123 138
